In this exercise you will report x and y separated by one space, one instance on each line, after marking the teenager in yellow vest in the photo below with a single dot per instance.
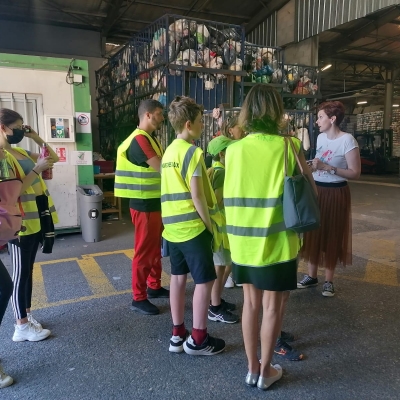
137 177
220 310
27 166
189 208
264 252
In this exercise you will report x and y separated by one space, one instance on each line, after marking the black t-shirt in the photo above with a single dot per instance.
138 153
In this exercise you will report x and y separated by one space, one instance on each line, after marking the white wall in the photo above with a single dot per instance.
57 98
55 41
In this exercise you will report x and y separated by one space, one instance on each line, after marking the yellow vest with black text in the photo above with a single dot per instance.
30 219
133 181
253 192
179 215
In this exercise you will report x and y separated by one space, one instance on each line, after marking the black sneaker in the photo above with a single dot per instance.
287 336
328 290
228 306
158 293
144 307
222 315
210 347
287 352
176 343
307 282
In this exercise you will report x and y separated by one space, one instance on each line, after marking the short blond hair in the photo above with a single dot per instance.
181 110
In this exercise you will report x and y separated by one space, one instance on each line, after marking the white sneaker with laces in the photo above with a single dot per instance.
229 283
29 332
33 321
5 380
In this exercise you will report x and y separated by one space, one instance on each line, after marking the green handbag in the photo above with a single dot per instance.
300 203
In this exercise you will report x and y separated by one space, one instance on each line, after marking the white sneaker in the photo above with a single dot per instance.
5 380
229 283
33 321
29 332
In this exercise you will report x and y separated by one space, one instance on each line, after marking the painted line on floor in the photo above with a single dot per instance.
39 290
95 277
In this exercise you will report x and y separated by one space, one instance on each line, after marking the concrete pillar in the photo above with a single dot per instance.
388 105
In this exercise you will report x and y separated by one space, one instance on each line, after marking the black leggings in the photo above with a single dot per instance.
6 288
23 254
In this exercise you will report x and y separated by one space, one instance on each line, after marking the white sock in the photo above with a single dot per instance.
22 326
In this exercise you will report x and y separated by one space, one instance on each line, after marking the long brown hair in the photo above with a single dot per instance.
262 110
229 123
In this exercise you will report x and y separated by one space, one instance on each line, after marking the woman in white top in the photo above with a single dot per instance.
337 160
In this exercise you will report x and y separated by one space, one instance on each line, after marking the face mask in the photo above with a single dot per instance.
16 137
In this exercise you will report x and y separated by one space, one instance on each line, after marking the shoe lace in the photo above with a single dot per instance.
33 320
33 327
328 286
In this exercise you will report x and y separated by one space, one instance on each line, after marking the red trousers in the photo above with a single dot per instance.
146 263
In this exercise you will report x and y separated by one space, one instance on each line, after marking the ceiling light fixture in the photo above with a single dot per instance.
325 67
362 102
395 105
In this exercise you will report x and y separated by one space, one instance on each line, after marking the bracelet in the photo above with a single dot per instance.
35 172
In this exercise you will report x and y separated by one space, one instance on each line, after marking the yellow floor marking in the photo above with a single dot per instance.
129 253
381 267
96 278
40 297
56 261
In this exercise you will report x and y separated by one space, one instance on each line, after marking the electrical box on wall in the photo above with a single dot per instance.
59 128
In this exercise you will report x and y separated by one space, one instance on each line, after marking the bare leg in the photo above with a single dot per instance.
312 270
218 285
270 328
177 298
250 327
285 298
329 274
228 270
201 302
22 321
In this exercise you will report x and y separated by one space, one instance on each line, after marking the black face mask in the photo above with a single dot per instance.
16 137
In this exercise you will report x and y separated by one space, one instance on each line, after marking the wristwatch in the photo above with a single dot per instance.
333 170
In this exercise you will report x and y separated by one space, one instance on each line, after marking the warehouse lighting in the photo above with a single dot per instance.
362 102
326 67
395 105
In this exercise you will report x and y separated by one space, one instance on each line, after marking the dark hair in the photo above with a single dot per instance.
148 105
8 117
229 123
181 110
333 109
262 110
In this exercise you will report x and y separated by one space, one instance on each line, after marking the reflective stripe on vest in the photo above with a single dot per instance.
180 217
253 191
133 181
30 219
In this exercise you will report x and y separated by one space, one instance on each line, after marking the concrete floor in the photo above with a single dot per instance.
100 349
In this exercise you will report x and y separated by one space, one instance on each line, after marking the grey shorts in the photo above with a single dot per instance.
222 257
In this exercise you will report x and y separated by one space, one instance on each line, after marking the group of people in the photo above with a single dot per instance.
229 216
216 221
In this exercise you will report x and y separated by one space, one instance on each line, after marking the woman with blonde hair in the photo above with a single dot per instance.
264 252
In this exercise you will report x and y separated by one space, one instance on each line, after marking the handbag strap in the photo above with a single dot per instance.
289 139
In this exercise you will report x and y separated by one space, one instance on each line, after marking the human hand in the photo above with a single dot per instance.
29 132
318 164
43 164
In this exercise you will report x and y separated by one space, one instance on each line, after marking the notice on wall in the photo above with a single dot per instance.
62 154
82 158
83 123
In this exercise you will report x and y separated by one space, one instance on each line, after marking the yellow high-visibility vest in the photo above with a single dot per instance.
253 191
133 181
30 219
180 217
